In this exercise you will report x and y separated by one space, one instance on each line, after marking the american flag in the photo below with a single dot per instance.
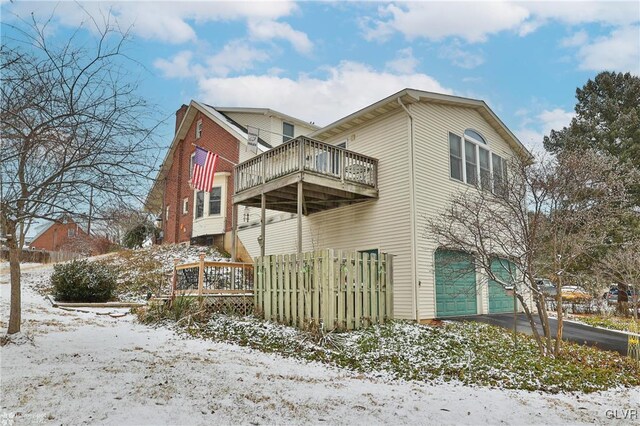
204 167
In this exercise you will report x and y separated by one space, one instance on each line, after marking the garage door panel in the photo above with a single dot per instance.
499 300
456 292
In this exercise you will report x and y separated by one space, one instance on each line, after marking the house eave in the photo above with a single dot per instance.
409 96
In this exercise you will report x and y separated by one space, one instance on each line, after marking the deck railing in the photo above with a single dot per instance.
206 277
307 155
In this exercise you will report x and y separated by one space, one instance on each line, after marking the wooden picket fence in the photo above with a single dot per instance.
333 289
42 256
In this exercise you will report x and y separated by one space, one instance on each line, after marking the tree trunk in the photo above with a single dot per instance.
544 320
532 323
557 347
15 312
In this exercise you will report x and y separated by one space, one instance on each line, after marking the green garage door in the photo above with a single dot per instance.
499 300
455 284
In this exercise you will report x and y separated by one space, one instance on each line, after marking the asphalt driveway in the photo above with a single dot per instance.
578 333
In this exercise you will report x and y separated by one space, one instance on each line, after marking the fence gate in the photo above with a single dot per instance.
343 290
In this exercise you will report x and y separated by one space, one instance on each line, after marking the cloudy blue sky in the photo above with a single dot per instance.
322 60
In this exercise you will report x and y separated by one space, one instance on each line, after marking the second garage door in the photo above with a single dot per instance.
499 300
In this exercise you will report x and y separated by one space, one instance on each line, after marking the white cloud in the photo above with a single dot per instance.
237 55
476 21
170 22
581 12
314 98
179 66
619 51
461 58
268 30
534 129
575 40
471 21
404 62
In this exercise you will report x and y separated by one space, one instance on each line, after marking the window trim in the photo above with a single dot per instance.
199 128
185 205
461 169
477 146
195 205
286 137
71 232
166 215
209 202
489 184
476 164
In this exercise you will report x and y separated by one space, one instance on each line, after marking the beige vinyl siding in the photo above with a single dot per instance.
383 223
260 121
434 187
270 126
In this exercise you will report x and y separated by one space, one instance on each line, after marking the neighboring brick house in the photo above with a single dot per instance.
62 234
189 216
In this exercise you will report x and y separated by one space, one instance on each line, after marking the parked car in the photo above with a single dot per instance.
573 293
612 295
546 287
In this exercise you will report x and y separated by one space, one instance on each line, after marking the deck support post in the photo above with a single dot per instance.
300 199
201 274
234 232
263 222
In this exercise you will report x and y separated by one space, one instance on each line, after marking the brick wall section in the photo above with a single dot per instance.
56 237
214 138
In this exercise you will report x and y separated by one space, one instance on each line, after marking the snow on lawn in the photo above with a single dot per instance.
87 368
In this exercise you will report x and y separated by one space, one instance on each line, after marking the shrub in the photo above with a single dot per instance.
83 281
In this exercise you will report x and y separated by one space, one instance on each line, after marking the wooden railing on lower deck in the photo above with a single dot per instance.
207 277
307 155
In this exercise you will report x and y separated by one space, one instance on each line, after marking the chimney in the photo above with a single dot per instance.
180 115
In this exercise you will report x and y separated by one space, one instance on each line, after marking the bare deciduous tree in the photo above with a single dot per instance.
71 122
545 218
622 266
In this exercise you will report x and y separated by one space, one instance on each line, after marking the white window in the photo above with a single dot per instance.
474 136
471 163
193 155
215 201
185 206
287 131
198 129
485 169
166 215
199 210
455 156
481 166
499 173
71 232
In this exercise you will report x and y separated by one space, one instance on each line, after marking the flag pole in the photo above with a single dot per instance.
219 156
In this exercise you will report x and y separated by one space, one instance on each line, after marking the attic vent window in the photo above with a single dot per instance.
198 129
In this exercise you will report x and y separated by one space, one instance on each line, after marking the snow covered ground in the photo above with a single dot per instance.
83 368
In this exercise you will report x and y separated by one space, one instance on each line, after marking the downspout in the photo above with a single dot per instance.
412 212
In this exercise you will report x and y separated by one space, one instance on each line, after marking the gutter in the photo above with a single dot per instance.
412 201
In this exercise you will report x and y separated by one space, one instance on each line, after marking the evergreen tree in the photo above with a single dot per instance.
607 120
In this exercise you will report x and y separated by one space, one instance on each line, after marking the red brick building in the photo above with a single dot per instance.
195 217
63 234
